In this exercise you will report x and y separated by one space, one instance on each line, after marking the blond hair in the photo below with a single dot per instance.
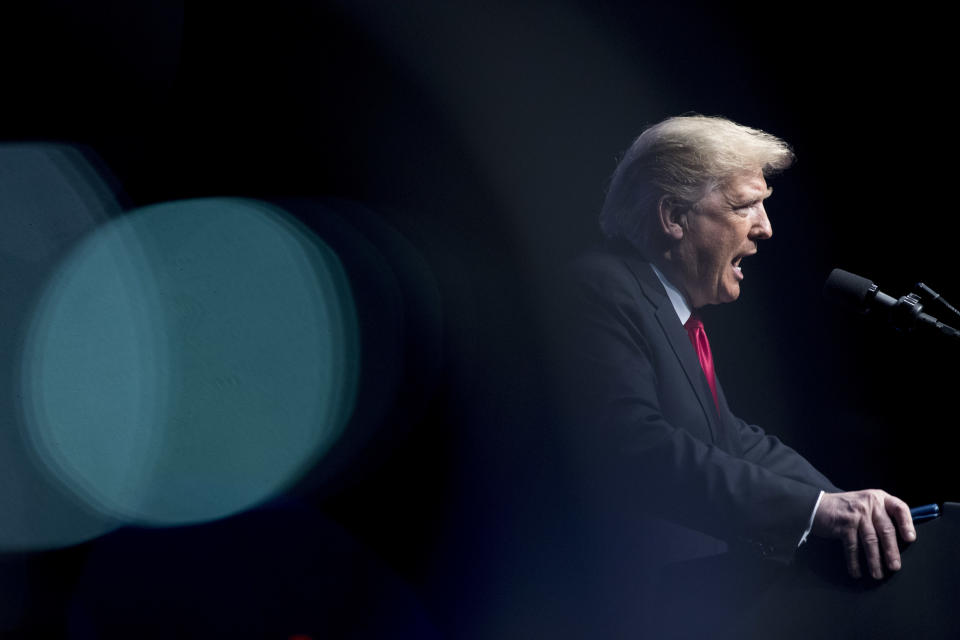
684 157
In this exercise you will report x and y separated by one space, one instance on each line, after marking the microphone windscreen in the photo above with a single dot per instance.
848 289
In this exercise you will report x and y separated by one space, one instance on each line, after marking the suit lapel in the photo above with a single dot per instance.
677 337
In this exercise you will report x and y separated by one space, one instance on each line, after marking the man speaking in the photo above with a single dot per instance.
685 211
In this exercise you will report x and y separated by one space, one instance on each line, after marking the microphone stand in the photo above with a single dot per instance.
933 296
908 312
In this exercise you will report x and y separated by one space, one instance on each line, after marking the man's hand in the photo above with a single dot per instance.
868 519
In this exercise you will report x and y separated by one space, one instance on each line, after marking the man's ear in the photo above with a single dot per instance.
672 217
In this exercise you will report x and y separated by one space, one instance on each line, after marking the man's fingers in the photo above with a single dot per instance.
867 522
887 532
851 549
871 548
900 512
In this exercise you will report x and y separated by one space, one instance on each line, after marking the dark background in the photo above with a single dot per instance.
485 133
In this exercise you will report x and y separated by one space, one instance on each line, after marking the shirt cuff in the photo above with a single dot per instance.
812 516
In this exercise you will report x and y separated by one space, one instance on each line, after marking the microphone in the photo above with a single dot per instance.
863 296
855 292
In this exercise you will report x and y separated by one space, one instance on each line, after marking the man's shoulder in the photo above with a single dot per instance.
600 260
607 262
612 272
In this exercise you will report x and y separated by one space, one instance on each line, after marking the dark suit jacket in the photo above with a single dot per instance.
648 421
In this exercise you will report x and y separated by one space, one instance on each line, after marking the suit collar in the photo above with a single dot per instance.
641 269
679 301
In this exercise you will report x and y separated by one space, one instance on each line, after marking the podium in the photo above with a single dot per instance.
724 597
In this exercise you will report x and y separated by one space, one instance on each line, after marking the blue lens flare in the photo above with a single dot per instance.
190 360
52 196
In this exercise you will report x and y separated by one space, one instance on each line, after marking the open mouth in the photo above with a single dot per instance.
735 263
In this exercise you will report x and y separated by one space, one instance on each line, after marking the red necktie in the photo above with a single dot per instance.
698 337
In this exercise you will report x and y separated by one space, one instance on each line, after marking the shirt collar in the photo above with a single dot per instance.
677 298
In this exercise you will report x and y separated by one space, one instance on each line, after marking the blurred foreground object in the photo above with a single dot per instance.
190 360
51 197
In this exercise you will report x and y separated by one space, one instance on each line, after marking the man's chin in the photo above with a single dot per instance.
729 294
721 295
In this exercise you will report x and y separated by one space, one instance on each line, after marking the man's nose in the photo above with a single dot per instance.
762 229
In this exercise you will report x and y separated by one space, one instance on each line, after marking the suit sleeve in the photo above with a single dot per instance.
658 465
769 452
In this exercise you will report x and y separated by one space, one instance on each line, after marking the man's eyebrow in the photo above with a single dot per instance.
740 203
